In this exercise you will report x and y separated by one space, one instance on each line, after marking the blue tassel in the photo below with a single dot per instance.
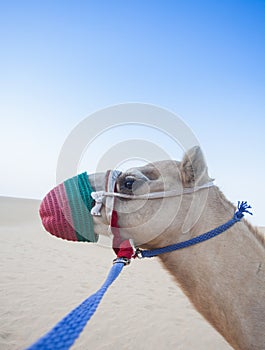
242 208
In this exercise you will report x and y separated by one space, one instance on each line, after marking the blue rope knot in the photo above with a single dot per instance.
242 208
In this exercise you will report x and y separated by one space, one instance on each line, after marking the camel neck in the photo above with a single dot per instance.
224 278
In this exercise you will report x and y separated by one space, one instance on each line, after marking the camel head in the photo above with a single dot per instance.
146 221
151 202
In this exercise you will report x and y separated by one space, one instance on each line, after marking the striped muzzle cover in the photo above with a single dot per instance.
65 210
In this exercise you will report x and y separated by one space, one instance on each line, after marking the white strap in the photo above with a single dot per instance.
99 195
111 181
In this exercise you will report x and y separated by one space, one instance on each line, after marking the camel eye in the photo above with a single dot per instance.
128 183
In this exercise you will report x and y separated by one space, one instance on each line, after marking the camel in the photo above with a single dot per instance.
224 277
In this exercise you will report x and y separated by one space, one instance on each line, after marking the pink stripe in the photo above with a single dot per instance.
65 212
56 214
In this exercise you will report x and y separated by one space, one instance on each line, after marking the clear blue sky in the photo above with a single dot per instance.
204 60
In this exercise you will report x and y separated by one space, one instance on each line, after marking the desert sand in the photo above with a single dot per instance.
44 277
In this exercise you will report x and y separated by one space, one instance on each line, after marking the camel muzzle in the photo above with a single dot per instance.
65 210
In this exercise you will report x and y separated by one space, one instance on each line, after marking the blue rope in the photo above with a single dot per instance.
242 208
65 332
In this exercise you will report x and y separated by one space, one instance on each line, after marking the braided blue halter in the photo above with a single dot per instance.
242 208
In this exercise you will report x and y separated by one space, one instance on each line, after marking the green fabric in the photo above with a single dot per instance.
78 190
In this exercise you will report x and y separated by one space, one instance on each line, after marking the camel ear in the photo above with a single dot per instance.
193 168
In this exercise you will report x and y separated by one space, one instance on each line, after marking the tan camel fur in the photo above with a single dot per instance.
224 277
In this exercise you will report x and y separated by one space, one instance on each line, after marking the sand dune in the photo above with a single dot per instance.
43 278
